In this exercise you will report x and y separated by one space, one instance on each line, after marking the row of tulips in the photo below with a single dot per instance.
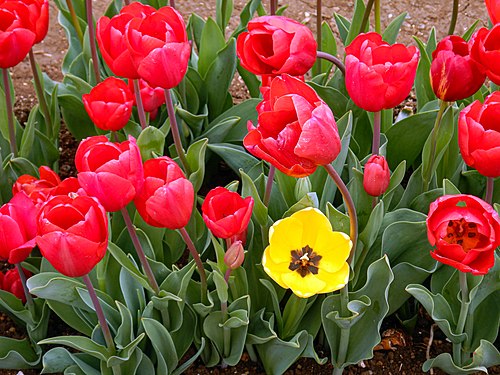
222 311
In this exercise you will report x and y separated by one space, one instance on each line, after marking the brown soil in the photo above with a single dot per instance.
422 15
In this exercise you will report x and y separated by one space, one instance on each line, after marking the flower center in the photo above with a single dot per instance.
304 261
462 233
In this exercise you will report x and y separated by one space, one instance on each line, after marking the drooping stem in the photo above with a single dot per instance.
366 16
269 185
464 309
175 132
93 48
377 17
351 210
10 112
197 260
39 92
489 189
377 118
344 332
427 175
74 20
454 16
332 59
139 250
273 7
22 276
100 315
140 105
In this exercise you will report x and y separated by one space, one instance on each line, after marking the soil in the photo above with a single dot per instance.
405 353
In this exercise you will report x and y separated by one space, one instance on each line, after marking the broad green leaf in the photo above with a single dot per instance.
392 30
17 354
212 41
235 156
151 142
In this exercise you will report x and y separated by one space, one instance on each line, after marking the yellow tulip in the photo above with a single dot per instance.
306 255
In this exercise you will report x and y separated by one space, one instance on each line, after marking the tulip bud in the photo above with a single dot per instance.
235 255
302 187
377 175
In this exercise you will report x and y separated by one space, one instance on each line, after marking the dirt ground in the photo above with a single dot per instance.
422 16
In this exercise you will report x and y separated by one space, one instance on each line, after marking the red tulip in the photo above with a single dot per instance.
377 175
379 75
493 7
159 47
479 135
11 282
38 189
275 45
39 17
226 213
72 233
167 197
111 172
152 97
111 39
454 75
18 223
67 186
486 52
109 104
17 34
296 131
465 231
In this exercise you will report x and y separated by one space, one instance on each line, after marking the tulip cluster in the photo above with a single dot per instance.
10 281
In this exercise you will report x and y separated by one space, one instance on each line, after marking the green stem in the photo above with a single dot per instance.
74 20
366 16
332 59
427 177
464 309
10 112
454 16
174 127
378 29
197 260
22 276
269 185
251 352
140 251
344 332
226 330
351 210
93 48
377 119
489 189
39 92
140 106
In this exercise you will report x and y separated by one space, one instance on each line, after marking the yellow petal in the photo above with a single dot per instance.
284 236
334 281
313 222
274 270
303 286
334 248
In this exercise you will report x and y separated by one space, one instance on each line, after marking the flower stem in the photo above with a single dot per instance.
175 132
273 7
344 332
377 119
22 276
139 250
197 260
39 91
172 3
226 330
93 48
269 185
366 16
319 19
332 59
454 15
126 2
378 29
100 315
10 113
140 106
489 189
464 309
353 219
427 176
74 20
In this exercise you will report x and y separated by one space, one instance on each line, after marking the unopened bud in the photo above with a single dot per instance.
302 188
377 176
234 255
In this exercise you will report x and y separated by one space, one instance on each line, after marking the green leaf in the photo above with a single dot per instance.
196 26
343 24
151 142
370 232
59 359
196 159
217 133
17 354
449 188
245 111
357 19
83 344
163 345
423 88
339 220
224 8
212 41
249 189
235 156
251 80
397 177
392 30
